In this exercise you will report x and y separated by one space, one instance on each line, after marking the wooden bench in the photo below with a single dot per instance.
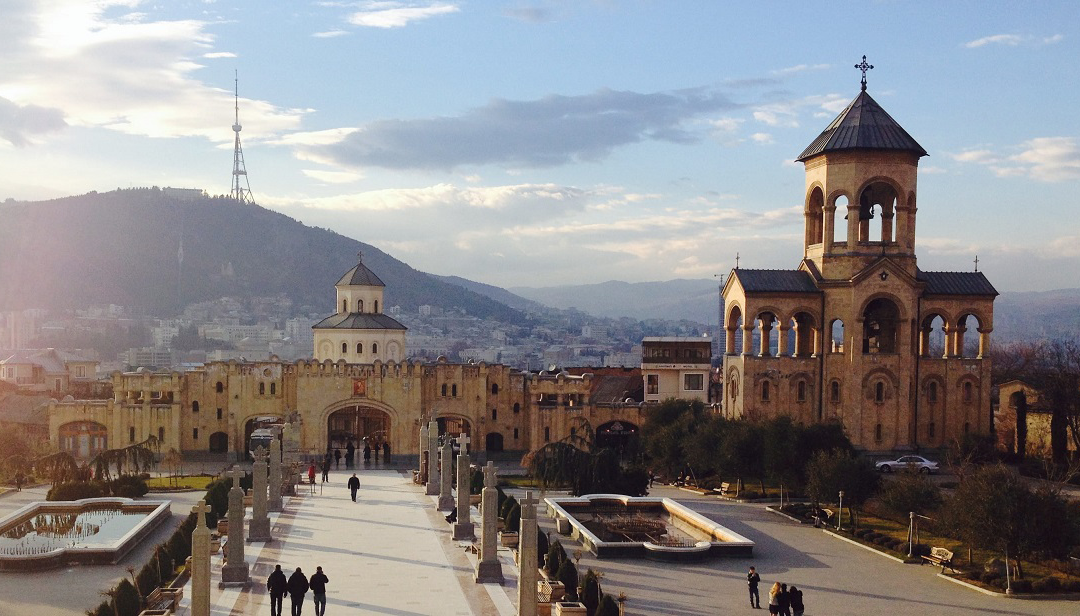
723 489
829 513
942 558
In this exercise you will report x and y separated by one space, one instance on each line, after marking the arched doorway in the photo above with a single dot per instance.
357 425
493 442
219 442
83 439
454 426
621 436
255 423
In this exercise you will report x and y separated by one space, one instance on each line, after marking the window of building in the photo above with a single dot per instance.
494 414
359 348
344 305
374 347
694 382
194 434
131 434
517 407
494 389
80 371
344 348
453 390
800 391
219 413
273 389
930 430
879 392
652 384
547 433
262 389
444 390
360 305
765 391
834 391
376 305
877 433
195 406
967 392
220 387
161 434
515 433
573 431
967 427
931 392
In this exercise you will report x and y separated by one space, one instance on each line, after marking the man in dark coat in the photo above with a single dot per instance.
354 485
318 590
752 579
350 454
298 587
337 458
277 585
326 469
784 601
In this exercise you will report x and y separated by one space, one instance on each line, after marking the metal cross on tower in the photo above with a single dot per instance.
863 66
241 193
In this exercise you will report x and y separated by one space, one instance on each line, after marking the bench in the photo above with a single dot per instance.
723 489
942 558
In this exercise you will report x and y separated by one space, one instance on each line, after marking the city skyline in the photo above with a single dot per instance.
544 143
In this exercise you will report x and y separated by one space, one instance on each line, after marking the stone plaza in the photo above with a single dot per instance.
392 552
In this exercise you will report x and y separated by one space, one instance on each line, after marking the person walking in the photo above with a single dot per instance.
337 458
311 473
298 587
326 469
354 485
318 590
752 580
774 599
386 452
277 585
350 454
784 599
795 597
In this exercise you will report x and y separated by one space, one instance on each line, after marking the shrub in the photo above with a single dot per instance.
1021 585
541 547
179 546
103 609
126 599
910 492
75 490
555 557
128 486
1050 584
476 482
590 591
166 568
1072 586
217 496
921 549
608 607
507 505
513 519
149 578
568 576
989 577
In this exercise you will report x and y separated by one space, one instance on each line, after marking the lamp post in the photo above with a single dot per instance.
840 513
911 535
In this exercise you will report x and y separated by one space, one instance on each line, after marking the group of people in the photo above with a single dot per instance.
296 586
350 453
782 600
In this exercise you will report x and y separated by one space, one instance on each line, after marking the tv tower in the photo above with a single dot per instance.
240 193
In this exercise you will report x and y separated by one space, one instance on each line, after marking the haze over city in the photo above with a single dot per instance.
545 143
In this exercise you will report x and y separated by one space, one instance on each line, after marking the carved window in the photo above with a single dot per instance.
765 391
800 391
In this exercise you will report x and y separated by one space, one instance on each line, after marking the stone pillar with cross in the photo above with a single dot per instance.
527 558
446 477
259 530
463 442
463 528
200 562
488 568
275 476
235 572
433 458
423 453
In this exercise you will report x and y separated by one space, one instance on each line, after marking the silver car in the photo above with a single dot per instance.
914 463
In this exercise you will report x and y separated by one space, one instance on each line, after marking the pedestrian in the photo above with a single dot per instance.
311 473
784 599
19 479
367 453
337 458
298 587
752 579
386 452
350 454
318 590
774 599
326 469
276 585
795 596
354 485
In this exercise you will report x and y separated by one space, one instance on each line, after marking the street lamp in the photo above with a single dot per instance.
840 513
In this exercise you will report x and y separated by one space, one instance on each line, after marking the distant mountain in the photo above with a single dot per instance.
694 300
496 293
123 247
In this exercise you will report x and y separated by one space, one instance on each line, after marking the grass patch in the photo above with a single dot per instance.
186 482
524 482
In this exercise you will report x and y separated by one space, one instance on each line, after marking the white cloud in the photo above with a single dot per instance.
396 14
1050 40
1045 159
219 54
330 34
22 125
762 138
997 39
980 156
332 177
801 68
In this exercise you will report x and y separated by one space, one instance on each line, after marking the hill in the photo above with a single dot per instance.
693 300
121 247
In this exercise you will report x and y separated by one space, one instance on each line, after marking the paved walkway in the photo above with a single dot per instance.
388 553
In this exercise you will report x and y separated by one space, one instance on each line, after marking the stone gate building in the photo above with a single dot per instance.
857 333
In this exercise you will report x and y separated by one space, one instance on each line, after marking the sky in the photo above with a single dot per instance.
552 142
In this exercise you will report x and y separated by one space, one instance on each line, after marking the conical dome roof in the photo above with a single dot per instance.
862 125
360 275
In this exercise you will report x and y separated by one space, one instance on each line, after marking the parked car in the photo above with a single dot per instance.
915 463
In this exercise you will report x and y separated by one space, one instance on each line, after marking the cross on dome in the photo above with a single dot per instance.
863 66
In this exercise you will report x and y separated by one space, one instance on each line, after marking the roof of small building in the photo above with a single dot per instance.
360 275
863 124
775 281
956 283
22 409
356 320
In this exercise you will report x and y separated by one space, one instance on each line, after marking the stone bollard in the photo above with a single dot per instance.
527 573
200 562
235 571
488 569
463 528
433 476
446 477
275 476
260 520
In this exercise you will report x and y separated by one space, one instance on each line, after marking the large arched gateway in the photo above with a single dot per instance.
357 424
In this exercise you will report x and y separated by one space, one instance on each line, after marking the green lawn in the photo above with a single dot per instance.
189 482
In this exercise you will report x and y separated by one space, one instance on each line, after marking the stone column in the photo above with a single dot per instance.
235 572
782 344
527 570
766 337
852 225
260 521
200 562
423 453
984 342
829 224
748 338
463 528
433 458
446 477
275 476
488 568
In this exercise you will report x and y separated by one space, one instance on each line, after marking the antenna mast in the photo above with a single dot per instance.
241 193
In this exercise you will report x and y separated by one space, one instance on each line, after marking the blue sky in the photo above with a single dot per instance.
553 142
